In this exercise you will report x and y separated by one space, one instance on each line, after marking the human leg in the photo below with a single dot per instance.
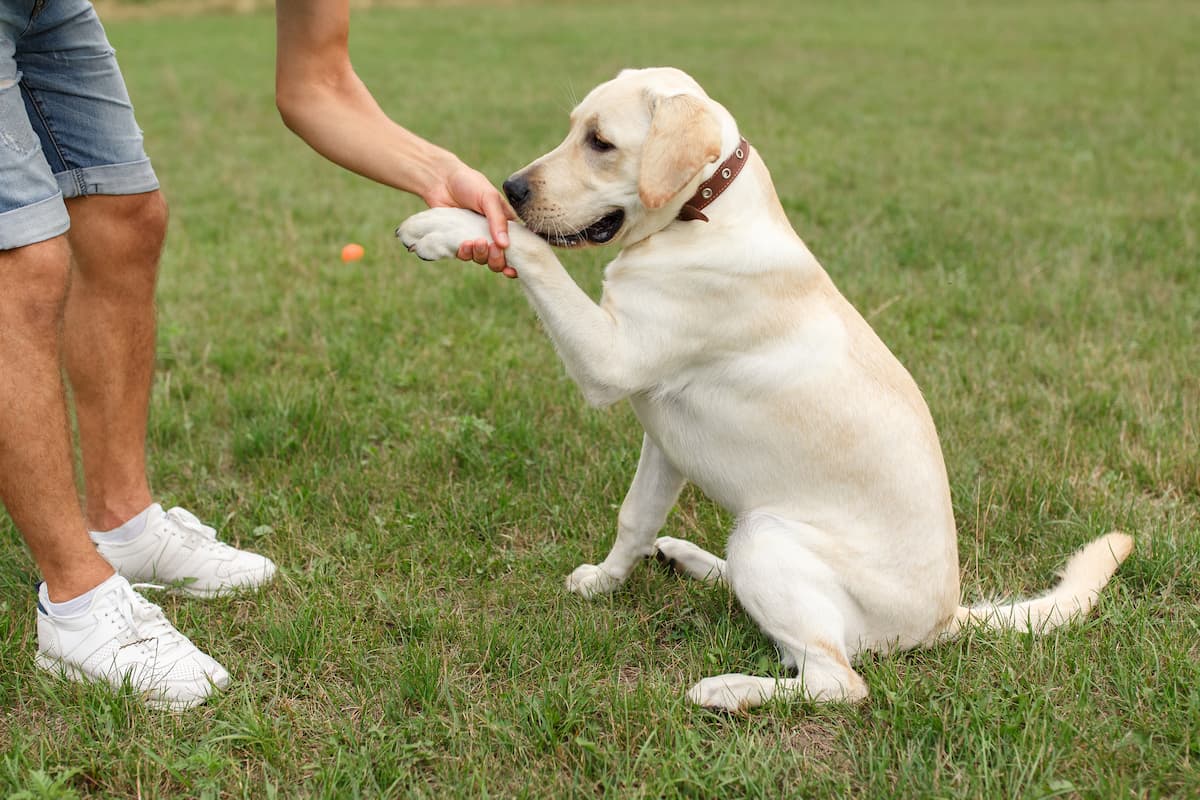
91 623
37 482
108 346
77 105
77 100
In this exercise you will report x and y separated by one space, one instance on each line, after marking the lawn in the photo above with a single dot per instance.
1010 193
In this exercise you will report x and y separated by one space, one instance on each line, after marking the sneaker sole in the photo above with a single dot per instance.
251 585
66 669
220 591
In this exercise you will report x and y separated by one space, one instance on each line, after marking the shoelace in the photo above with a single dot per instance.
194 527
146 621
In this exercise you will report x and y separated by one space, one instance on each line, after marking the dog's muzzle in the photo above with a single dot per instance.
601 231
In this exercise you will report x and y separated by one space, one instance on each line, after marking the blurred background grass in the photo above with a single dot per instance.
1008 193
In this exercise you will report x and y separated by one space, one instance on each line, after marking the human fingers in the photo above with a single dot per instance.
498 262
477 250
498 214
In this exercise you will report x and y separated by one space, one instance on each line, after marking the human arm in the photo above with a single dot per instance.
323 101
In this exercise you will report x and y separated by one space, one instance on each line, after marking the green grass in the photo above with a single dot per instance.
1009 193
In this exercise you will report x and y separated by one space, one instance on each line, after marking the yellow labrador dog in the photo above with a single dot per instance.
753 378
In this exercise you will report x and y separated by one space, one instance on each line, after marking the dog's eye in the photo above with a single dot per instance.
599 145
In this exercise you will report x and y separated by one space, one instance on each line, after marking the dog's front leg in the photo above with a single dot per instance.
598 354
603 358
651 496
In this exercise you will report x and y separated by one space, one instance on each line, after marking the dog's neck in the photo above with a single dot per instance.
720 180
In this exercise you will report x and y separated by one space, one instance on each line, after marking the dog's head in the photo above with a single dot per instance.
636 151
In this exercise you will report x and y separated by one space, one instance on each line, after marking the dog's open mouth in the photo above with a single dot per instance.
601 231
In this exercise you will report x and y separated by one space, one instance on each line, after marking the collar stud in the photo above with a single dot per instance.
711 189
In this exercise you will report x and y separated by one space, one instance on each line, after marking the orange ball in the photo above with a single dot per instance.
352 252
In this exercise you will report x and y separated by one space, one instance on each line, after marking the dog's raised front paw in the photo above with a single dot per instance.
588 581
438 232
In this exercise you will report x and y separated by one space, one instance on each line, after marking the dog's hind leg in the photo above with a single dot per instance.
796 599
655 488
689 559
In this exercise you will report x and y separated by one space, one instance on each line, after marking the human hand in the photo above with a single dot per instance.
481 251
467 188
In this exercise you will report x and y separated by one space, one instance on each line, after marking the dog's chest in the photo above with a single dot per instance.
733 421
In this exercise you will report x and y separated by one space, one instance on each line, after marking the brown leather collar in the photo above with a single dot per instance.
711 189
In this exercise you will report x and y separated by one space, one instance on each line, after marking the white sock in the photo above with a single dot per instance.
129 530
68 608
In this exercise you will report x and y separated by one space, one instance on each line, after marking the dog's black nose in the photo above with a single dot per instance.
516 189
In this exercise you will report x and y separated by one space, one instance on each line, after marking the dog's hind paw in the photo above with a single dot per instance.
733 693
590 581
681 556
438 232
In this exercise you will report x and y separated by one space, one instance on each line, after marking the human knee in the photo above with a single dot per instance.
116 240
36 278
143 216
150 211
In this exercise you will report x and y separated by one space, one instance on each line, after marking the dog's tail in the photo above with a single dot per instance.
1085 575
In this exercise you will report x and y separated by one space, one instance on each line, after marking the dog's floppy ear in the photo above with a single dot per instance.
684 136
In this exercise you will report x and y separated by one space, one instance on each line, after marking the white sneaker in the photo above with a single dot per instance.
124 637
178 550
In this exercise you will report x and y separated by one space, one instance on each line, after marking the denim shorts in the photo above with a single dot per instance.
66 124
